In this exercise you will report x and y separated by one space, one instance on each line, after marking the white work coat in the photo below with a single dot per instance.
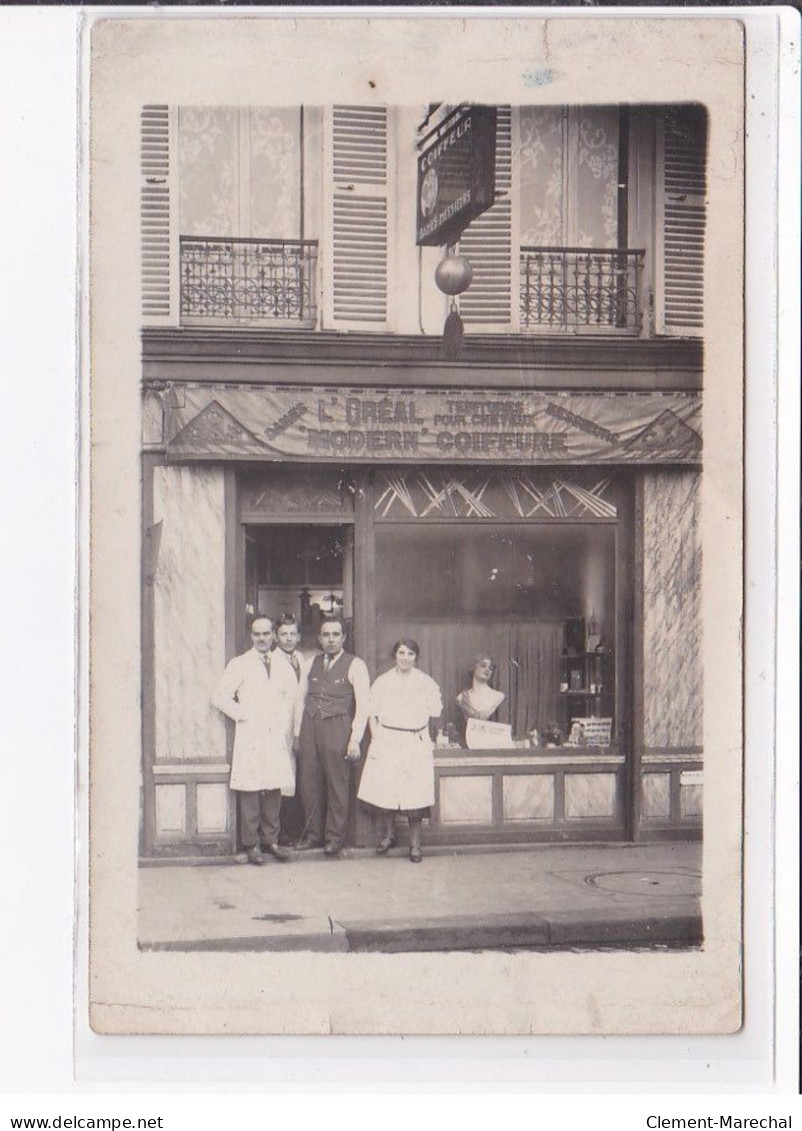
265 710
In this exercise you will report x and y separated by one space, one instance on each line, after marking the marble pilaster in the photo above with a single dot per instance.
189 612
672 628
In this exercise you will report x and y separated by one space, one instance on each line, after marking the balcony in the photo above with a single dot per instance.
248 281
579 290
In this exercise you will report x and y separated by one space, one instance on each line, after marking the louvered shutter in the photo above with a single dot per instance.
155 211
684 185
359 221
487 243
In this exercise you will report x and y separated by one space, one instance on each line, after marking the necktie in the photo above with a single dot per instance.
296 667
327 663
266 662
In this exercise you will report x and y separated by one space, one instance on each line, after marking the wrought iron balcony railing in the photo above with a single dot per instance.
249 280
575 288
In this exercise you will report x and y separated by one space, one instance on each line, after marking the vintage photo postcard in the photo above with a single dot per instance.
415 377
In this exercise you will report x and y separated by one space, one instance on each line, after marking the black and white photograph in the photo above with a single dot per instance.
423 641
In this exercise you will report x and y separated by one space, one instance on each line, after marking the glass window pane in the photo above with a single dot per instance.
542 170
275 173
597 176
501 590
208 171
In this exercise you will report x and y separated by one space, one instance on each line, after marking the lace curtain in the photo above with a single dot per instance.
239 172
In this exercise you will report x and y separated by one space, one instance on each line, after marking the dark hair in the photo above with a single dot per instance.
477 659
286 618
260 616
332 618
406 642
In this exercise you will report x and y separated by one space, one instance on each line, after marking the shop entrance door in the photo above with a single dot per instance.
296 554
304 570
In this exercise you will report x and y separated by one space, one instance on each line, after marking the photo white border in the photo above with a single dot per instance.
742 1062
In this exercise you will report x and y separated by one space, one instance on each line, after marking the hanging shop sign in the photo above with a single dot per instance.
381 425
456 175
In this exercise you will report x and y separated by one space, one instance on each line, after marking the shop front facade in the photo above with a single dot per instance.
535 499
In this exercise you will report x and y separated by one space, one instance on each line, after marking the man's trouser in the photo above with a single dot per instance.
324 776
259 816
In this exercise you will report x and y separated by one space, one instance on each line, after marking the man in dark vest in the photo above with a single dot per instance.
337 688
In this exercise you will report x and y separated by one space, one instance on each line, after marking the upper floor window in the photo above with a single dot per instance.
239 172
569 169
598 225
248 235
540 255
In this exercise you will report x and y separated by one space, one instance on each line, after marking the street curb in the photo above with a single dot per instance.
556 931
524 932
335 942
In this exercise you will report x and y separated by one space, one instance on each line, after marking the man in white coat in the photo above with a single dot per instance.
261 696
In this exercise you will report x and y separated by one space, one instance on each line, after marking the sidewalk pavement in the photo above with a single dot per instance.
535 897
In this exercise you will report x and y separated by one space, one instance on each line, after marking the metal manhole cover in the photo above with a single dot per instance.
647 883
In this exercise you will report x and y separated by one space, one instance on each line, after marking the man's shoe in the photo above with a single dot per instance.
384 845
255 855
283 855
308 843
333 849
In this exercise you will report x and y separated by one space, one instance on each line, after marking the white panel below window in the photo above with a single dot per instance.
656 796
171 809
529 798
212 807
690 800
466 800
589 795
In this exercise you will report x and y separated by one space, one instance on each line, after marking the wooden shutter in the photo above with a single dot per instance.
359 222
684 185
155 211
487 243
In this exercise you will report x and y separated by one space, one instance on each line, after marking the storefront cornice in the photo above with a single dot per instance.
259 357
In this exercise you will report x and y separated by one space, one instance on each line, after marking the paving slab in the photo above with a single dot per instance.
538 897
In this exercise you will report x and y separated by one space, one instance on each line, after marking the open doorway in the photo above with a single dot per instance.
302 569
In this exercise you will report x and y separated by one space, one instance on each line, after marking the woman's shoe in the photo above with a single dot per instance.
384 846
415 856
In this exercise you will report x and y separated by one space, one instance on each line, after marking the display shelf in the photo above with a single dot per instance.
586 683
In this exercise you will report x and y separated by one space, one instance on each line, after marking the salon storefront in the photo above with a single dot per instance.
501 510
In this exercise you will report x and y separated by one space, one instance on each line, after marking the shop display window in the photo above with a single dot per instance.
507 591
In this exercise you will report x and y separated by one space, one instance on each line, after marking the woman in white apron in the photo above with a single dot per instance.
399 769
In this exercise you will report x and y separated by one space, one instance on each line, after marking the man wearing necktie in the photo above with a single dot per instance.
336 691
285 651
262 696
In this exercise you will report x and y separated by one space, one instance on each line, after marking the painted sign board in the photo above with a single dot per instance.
595 731
481 734
456 175
367 425
691 777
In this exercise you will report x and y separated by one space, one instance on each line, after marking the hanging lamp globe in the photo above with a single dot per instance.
453 274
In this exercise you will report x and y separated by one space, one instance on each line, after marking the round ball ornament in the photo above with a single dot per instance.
453 274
